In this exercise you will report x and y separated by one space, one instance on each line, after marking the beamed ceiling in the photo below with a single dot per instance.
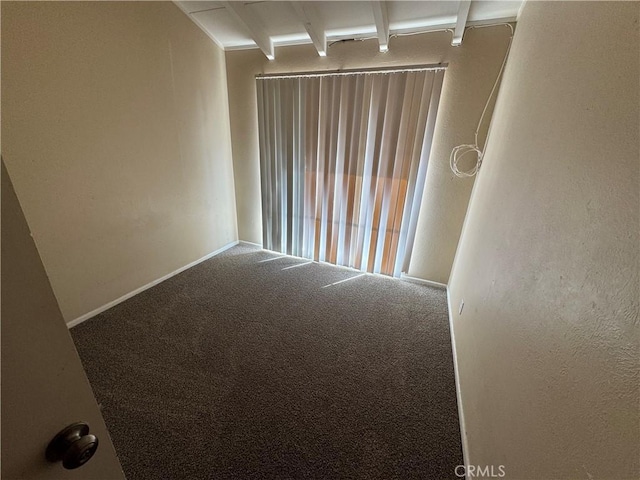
266 25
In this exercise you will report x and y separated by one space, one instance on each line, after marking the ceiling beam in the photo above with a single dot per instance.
307 15
382 23
461 22
246 17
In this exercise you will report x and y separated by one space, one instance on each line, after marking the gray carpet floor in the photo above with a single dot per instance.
243 368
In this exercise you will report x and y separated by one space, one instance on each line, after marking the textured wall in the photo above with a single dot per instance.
547 342
472 70
115 131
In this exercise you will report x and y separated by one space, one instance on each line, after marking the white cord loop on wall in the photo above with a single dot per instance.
459 152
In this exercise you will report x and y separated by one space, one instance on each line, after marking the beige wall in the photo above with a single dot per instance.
547 342
115 131
472 70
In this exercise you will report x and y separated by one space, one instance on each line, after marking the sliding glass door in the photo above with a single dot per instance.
343 161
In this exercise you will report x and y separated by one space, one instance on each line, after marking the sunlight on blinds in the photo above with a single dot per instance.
343 163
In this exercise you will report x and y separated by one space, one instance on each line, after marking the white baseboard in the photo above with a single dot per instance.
421 281
463 429
244 242
107 306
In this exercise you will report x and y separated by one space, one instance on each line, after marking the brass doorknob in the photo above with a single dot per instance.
73 446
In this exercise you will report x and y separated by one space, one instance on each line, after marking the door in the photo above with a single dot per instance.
44 388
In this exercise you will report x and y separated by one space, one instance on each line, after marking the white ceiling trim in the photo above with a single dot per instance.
247 18
307 14
381 18
369 36
461 22
242 25
181 6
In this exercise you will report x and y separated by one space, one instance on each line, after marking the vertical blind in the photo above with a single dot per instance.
343 161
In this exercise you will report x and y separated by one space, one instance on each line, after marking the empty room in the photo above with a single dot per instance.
320 240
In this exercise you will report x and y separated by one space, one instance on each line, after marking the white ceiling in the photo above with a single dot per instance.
268 24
